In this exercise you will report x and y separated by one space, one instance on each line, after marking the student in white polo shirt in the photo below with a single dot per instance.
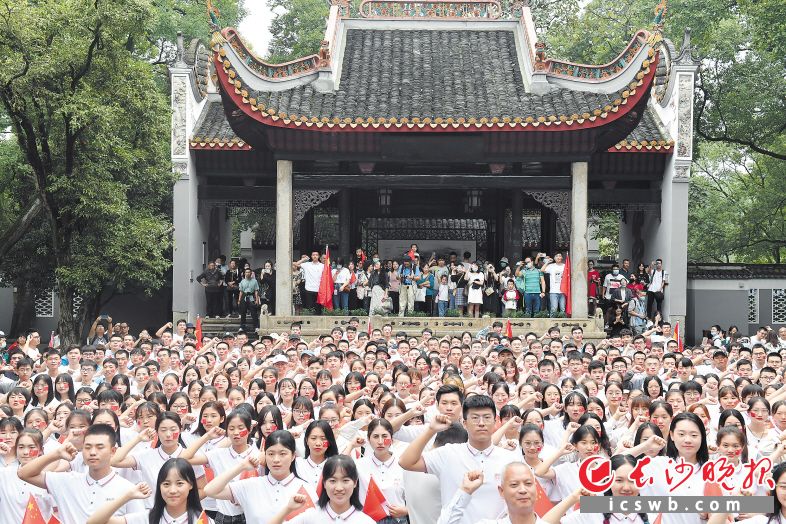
176 500
339 500
450 462
260 497
517 487
77 495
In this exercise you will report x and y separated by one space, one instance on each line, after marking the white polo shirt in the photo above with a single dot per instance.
452 461
149 463
77 495
263 497
313 275
14 495
321 516
220 460
309 470
144 518
388 476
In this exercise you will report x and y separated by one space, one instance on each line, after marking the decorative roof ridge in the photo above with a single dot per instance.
631 92
588 72
441 9
266 70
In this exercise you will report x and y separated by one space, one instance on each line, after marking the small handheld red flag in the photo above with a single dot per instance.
309 504
564 286
375 503
542 503
678 337
203 518
326 286
52 520
198 333
33 513
508 330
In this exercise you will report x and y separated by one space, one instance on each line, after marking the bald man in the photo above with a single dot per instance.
516 487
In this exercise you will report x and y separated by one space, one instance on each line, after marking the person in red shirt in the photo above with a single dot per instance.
593 287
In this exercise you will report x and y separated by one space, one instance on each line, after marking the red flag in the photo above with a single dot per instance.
33 513
368 328
375 503
203 519
309 504
52 520
564 286
508 330
326 286
319 486
52 339
198 333
678 337
542 504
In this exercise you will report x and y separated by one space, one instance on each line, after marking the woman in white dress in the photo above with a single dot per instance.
176 499
474 290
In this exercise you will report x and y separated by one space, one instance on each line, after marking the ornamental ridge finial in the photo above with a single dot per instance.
215 15
660 15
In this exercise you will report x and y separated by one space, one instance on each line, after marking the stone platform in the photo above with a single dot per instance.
441 326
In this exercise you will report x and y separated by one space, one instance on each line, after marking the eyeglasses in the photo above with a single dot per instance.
528 445
476 419
331 421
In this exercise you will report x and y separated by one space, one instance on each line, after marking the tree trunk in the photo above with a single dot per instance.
71 326
24 308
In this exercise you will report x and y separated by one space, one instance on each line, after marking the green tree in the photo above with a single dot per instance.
93 129
297 28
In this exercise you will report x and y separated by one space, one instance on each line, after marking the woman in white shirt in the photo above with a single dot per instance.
382 466
320 445
339 500
623 486
15 493
778 516
176 499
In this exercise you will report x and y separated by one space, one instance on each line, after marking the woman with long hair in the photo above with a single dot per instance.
176 499
320 445
382 466
15 493
339 500
262 493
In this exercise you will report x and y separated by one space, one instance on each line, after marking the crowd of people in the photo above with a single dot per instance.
358 427
631 298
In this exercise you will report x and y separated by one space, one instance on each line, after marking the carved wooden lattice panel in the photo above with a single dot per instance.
753 306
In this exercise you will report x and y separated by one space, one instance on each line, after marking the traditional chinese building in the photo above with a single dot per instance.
441 122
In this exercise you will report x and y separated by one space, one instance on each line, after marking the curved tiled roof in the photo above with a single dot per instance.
212 131
736 271
649 135
431 80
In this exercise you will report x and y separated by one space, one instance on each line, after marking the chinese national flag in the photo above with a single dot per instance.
53 520
712 489
564 286
198 333
375 503
326 286
309 504
249 474
209 474
203 518
319 486
508 330
542 504
33 513
678 337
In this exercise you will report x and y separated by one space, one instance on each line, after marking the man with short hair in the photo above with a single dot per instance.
312 272
248 299
450 462
212 279
78 495
517 486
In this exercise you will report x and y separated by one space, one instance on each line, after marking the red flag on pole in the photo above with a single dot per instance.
564 287
369 329
508 330
326 286
203 519
33 513
375 503
52 520
678 337
309 504
198 333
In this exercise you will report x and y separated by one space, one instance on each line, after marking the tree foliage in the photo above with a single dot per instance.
93 128
297 28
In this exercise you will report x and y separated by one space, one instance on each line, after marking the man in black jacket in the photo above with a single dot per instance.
213 281
232 280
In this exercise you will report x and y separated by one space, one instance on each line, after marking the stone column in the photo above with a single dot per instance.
284 238
344 221
578 240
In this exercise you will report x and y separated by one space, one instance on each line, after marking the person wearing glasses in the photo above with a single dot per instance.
449 463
